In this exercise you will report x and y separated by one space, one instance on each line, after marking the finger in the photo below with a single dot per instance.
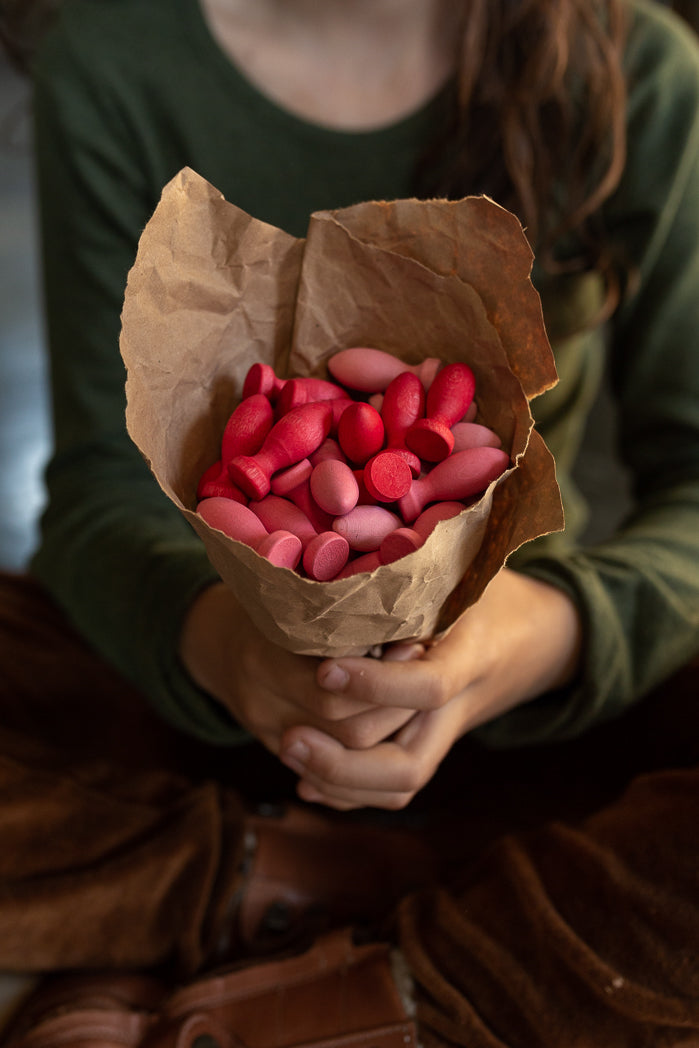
344 798
386 801
333 708
398 767
366 729
418 684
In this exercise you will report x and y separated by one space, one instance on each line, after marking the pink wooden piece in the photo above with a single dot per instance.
292 438
282 549
261 378
215 481
329 449
387 476
463 474
307 390
360 432
280 514
448 399
240 523
371 370
334 487
293 484
474 435
287 479
247 427
325 556
398 544
365 527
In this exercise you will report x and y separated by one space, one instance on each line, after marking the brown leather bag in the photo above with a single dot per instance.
335 993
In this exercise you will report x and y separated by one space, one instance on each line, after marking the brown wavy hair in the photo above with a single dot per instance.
537 122
538 103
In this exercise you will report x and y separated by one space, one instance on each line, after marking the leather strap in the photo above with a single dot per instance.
336 993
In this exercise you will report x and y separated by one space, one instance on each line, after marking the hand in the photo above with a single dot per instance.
521 639
266 688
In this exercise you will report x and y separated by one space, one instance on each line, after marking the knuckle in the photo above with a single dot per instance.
412 778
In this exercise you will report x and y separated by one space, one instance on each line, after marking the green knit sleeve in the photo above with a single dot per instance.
638 593
114 552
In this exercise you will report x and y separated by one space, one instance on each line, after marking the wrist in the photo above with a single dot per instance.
211 631
521 640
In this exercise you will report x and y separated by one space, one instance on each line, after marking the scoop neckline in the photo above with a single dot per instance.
227 68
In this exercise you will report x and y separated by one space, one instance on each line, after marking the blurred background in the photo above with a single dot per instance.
24 415
24 410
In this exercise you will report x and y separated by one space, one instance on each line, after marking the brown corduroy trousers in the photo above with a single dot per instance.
568 909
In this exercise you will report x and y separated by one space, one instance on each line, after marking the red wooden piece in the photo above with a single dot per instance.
371 370
403 404
240 523
280 514
387 476
398 544
339 406
215 481
292 438
365 499
365 562
360 432
463 474
430 517
404 541
261 378
247 427
448 398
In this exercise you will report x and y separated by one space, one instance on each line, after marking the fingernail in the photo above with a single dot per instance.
296 756
334 679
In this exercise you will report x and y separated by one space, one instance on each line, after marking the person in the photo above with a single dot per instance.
570 633
582 119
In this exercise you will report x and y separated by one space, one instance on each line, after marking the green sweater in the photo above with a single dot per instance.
128 92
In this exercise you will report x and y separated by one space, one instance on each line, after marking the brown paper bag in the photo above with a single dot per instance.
214 290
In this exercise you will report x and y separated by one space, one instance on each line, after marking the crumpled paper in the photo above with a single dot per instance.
214 290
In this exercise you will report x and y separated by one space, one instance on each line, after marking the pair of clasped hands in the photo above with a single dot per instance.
371 732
